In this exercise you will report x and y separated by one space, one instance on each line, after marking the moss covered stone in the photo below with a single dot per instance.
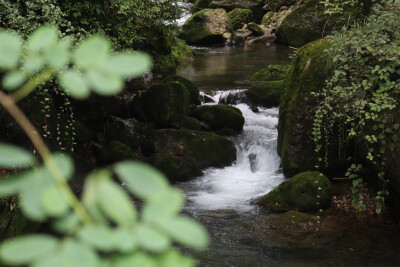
206 26
275 5
271 73
306 75
221 116
175 168
239 17
254 5
115 151
201 149
180 53
266 94
255 29
191 87
200 4
160 102
309 22
184 122
305 191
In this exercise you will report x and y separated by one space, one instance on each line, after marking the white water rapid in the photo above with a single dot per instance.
255 172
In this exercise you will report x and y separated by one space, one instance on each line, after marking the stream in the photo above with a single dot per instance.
221 199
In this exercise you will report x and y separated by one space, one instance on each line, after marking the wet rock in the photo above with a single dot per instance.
184 122
276 5
255 29
227 35
233 97
220 116
191 87
266 94
238 40
206 26
239 17
201 149
274 19
243 33
254 108
115 151
175 168
305 191
207 99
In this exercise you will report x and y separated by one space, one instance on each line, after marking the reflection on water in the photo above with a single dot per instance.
225 68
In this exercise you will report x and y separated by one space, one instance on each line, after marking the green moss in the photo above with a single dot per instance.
255 29
185 122
305 191
267 18
191 87
176 169
220 116
254 5
307 74
238 40
194 31
200 4
160 102
239 17
266 94
180 53
199 148
275 5
115 151
308 22
271 73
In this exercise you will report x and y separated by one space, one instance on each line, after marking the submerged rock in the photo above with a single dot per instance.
305 191
206 26
201 149
219 117
175 168
266 94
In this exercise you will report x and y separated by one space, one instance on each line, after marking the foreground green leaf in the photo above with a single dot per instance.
42 38
143 180
14 184
91 52
13 80
137 259
13 156
10 49
74 84
105 83
150 239
26 249
128 64
54 202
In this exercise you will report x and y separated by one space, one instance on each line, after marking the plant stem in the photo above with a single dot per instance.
31 85
44 152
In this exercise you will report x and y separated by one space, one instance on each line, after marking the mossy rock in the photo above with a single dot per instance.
238 40
303 192
271 73
180 53
254 5
206 27
239 17
175 168
255 29
160 102
200 4
266 94
275 5
309 22
268 18
185 122
115 151
220 116
306 75
191 87
201 149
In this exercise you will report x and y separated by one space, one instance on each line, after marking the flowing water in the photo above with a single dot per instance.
221 199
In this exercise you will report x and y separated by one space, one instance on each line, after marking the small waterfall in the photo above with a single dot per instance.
255 172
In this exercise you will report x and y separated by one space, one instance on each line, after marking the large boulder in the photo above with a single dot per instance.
200 4
206 27
276 5
115 151
175 168
228 5
303 192
193 90
296 146
239 17
161 102
218 117
309 22
201 149
266 94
